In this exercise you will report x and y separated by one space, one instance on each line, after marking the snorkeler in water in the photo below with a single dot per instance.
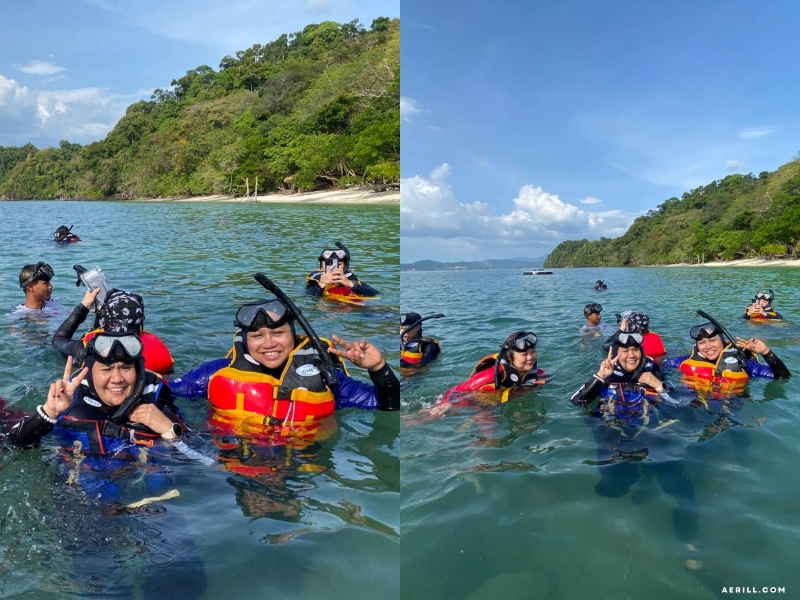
416 350
335 278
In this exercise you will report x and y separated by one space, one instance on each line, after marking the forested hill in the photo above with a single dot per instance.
736 217
308 110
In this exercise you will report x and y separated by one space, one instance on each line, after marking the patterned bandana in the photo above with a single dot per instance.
122 312
637 323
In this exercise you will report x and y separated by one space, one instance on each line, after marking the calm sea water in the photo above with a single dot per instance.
322 523
500 501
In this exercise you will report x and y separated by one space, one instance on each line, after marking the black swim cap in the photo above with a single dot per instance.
409 318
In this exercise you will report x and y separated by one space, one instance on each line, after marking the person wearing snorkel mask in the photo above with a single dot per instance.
34 280
416 351
761 307
717 365
64 235
111 405
627 387
514 367
122 312
335 276
274 377
636 322
624 380
593 318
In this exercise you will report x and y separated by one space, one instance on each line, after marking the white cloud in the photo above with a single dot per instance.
435 128
80 115
736 165
41 67
539 220
591 200
410 108
755 132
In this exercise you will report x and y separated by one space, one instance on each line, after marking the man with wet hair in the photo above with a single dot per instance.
34 280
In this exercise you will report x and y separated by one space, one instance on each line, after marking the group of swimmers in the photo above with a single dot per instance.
631 369
277 382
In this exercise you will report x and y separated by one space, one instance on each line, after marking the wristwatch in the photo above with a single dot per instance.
174 433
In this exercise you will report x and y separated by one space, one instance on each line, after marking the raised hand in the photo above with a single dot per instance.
607 366
61 392
361 353
753 344
89 297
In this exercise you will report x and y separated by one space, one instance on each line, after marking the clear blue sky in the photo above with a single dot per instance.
68 70
528 123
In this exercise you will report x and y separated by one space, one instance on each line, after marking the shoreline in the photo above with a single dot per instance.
742 262
354 196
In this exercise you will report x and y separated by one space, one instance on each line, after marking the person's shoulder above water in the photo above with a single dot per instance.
50 307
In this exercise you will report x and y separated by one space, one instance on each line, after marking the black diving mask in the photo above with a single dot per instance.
43 272
524 342
116 347
706 330
272 312
593 308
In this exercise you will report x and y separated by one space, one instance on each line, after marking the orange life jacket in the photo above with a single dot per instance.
243 396
725 375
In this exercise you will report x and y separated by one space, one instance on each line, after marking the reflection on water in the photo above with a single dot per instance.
220 517
536 498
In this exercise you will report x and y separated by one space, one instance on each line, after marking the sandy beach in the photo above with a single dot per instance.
745 262
361 195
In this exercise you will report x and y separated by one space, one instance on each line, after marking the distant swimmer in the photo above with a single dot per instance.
599 285
761 308
416 350
64 235
335 279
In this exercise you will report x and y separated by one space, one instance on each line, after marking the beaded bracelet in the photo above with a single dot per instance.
40 410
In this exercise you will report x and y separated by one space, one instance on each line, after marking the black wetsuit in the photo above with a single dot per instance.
62 338
429 350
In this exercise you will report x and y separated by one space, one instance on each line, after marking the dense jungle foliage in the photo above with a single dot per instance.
309 110
740 216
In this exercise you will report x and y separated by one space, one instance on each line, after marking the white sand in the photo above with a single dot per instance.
745 262
354 196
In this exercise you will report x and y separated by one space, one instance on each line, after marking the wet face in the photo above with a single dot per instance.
762 302
271 347
524 361
593 320
412 333
629 358
711 347
113 383
40 290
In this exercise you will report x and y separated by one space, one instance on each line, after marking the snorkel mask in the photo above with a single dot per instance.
110 348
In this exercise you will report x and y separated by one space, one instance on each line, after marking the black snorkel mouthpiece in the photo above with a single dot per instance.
500 356
327 368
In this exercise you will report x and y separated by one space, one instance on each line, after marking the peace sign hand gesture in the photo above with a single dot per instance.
361 353
607 366
59 397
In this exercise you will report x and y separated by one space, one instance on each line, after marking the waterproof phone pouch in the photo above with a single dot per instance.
93 279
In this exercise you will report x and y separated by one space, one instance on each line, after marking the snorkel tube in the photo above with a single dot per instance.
500 356
739 352
341 246
327 367
408 328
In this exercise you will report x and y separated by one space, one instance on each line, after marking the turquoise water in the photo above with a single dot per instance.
322 523
500 501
